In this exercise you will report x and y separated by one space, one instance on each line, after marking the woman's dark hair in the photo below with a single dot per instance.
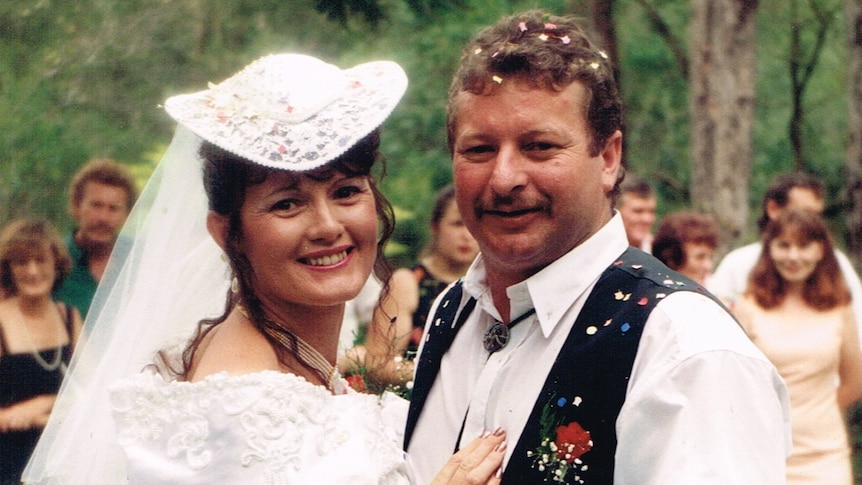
824 289
444 197
679 228
441 203
226 178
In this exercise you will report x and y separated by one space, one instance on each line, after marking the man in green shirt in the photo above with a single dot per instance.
101 195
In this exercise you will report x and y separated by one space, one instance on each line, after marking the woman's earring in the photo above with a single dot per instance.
234 285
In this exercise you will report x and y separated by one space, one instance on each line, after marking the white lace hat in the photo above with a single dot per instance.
292 111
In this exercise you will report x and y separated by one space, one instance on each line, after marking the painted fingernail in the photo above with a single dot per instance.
499 432
501 447
499 473
485 434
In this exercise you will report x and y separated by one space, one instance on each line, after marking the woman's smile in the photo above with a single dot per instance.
326 260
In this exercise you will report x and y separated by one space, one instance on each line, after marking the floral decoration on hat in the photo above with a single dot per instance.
292 111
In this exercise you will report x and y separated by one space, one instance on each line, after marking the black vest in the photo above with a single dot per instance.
588 380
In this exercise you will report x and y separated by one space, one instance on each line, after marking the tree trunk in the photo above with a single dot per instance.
802 63
721 104
853 13
603 30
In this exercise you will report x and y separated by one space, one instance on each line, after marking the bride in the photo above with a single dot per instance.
263 254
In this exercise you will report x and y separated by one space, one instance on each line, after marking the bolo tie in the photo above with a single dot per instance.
495 339
498 335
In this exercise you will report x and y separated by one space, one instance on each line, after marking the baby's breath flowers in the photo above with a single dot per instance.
362 378
562 446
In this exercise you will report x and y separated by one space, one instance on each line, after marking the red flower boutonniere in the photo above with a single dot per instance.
572 442
562 446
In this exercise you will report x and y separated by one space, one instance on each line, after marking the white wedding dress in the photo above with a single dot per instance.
261 428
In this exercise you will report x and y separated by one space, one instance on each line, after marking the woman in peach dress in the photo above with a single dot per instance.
797 311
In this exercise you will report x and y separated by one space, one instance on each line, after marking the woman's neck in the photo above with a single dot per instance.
318 326
794 296
795 289
33 306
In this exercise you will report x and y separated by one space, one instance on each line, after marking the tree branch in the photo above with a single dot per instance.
663 29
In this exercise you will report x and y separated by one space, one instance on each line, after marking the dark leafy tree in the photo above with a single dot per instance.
802 65
341 10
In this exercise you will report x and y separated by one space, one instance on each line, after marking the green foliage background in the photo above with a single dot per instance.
84 79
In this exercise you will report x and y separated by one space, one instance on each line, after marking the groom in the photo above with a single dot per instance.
602 365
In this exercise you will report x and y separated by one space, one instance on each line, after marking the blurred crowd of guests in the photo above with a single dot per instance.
47 283
796 295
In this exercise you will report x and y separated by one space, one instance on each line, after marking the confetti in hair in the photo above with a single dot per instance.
548 33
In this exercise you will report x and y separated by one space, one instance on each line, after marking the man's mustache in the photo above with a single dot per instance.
101 226
513 205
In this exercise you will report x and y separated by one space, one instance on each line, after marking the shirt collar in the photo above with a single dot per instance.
552 290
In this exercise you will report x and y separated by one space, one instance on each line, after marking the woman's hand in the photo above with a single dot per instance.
32 413
480 462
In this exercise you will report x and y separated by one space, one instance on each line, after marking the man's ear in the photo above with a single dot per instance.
217 225
611 156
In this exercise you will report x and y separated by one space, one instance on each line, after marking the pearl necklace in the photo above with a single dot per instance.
308 355
56 362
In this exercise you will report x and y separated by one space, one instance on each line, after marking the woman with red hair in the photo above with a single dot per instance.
796 309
